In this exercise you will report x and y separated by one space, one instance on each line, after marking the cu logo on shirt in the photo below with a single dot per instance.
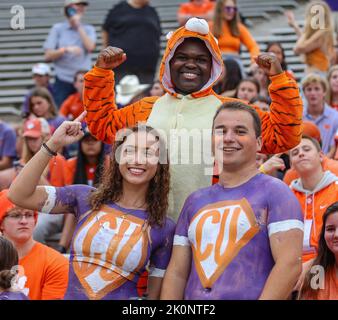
218 232
108 250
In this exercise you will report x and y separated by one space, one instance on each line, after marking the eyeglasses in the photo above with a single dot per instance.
229 9
19 216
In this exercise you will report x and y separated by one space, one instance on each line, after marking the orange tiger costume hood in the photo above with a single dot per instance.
195 28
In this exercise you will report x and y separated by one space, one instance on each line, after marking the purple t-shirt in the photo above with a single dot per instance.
7 141
111 247
228 231
8 295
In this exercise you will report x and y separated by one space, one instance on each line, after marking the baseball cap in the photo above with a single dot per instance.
6 205
41 69
35 128
70 2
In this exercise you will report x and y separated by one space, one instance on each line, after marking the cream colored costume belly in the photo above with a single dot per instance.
187 123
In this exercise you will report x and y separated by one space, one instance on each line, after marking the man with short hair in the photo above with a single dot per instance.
191 64
240 238
46 269
69 45
315 190
319 112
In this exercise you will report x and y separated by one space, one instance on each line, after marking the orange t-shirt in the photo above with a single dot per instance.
72 107
194 9
47 273
313 207
317 59
59 175
230 44
327 164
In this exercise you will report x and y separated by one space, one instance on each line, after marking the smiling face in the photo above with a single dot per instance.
190 67
331 233
305 157
139 158
18 225
235 143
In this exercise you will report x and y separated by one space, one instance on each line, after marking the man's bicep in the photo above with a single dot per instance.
287 244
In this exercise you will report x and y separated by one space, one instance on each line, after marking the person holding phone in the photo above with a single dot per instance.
68 45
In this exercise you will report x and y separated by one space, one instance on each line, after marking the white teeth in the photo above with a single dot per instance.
136 170
190 75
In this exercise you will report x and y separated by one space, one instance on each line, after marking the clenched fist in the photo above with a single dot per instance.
269 63
110 58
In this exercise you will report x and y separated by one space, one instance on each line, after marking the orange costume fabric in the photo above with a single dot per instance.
46 271
230 44
281 128
72 107
314 204
327 164
193 9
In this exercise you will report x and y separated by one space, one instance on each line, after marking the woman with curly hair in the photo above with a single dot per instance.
327 261
122 228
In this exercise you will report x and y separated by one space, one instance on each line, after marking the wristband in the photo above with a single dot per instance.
49 151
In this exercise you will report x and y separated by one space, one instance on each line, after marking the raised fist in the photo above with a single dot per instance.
110 58
269 63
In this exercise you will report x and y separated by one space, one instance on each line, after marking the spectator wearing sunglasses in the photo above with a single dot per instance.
231 33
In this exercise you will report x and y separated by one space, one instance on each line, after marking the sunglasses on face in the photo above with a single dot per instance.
18 216
229 9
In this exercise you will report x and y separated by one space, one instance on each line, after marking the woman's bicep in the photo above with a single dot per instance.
43 200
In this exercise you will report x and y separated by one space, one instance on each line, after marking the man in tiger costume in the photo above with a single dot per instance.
191 64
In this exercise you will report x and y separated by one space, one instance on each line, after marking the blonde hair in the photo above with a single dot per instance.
329 91
314 78
219 20
328 25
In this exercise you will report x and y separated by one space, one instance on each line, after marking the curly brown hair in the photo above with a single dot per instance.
110 187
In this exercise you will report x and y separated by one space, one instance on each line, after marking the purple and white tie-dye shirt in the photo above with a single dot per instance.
111 247
228 230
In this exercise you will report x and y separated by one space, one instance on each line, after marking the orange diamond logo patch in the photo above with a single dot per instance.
108 249
218 232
